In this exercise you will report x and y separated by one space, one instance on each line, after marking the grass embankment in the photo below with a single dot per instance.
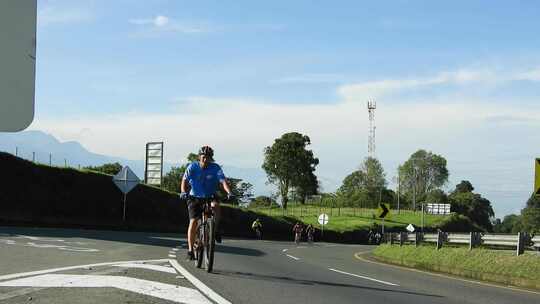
497 266
349 219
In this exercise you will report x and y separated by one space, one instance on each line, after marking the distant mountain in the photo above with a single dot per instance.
29 143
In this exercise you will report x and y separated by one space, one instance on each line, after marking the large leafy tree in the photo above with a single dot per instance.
510 224
289 164
472 205
531 215
171 180
422 173
367 184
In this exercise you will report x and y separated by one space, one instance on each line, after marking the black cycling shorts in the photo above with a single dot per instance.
196 206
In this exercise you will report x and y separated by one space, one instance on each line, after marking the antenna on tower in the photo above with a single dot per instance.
371 105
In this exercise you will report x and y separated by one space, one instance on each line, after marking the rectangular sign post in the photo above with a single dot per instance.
18 24
153 173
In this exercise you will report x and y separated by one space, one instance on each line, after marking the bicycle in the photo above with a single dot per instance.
258 233
205 242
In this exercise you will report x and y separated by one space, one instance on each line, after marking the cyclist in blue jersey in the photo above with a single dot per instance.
201 179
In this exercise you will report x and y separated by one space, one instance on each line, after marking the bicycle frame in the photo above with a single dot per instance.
204 245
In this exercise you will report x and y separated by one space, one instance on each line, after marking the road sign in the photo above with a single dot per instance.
18 21
410 228
126 180
383 210
323 219
537 177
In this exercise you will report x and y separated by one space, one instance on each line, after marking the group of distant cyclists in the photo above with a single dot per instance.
199 186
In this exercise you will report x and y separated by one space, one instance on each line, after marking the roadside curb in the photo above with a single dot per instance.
504 280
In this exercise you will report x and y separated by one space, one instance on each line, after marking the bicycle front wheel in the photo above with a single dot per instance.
210 245
200 245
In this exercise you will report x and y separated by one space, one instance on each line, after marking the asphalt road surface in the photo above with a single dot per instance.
40 265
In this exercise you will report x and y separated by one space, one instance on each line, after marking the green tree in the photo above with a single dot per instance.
422 173
510 224
171 180
307 185
530 215
472 205
109 168
365 186
437 196
287 162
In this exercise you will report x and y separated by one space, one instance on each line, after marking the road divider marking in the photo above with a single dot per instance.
175 249
33 273
292 257
172 256
363 277
147 266
164 291
200 285
285 250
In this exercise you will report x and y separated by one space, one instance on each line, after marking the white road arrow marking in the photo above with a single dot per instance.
148 266
168 292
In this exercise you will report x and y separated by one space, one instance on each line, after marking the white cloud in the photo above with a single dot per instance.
312 78
153 27
375 89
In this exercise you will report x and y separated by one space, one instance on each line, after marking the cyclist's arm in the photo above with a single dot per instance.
226 186
184 185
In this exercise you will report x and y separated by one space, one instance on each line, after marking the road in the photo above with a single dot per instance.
86 266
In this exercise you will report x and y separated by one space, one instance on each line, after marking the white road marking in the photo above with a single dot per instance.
155 289
292 257
147 266
172 255
285 250
33 273
175 249
200 285
61 247
363 277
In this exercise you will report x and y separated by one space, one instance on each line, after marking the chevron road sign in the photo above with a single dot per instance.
537 177
383 210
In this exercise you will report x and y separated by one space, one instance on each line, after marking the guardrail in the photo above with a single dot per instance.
520 241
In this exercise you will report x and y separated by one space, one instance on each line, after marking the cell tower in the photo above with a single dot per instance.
371 105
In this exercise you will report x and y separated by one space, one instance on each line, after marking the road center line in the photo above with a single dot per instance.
200 285
293 257
363 277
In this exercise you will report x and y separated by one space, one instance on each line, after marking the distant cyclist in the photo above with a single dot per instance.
297 229
201 179
309 232
257 228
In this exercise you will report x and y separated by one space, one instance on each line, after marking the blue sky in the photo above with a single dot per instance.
459 78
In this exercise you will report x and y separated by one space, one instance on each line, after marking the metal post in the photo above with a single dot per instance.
521 243
398 189
33 157
125 206
65 162
422 217
16 151
439 239
50 159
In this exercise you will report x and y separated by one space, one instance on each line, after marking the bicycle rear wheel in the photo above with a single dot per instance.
200 245
210 245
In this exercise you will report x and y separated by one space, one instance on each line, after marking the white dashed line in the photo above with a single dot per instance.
172 256
363 277
292 257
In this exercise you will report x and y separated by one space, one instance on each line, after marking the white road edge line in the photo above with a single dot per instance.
363 277
32 273
292 257
200 285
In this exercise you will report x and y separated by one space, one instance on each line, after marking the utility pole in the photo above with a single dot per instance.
371 105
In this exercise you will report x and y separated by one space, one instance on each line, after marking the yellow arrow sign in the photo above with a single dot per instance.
537 177
383 210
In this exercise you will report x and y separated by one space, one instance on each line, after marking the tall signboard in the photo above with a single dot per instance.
536 177
153 173
18 21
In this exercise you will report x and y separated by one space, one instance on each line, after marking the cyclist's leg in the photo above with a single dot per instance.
195 212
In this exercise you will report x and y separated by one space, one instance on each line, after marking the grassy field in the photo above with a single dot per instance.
347 219
501 266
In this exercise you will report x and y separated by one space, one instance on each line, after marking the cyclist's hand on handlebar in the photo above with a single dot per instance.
183 196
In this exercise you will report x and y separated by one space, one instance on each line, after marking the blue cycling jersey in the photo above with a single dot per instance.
203 182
